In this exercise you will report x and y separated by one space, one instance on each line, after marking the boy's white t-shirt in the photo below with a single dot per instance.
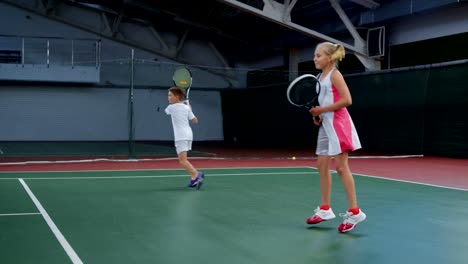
181 114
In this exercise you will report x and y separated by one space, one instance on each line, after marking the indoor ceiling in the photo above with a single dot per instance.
244 36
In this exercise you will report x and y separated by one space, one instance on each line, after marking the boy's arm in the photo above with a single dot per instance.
167 110
192 117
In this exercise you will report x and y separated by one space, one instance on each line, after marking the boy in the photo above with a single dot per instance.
183 135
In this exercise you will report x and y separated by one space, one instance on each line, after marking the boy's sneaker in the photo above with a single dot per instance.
198 181
351 220
320 216
200 177
192 183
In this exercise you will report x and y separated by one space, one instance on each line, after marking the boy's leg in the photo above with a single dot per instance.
182 148
197 178
187 165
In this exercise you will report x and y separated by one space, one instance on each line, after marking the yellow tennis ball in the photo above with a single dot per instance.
293 158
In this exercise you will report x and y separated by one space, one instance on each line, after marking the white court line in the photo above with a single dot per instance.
386 157
156 176
66 246
224 175
405 181
196 158
199 168
19 214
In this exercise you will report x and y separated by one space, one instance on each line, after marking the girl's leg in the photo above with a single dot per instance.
354 215
323 163
187 165
324 211
342 167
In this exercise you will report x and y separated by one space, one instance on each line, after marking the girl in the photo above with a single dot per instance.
183 136
337 136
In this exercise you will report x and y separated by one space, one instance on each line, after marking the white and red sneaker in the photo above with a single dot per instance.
351 220
320 216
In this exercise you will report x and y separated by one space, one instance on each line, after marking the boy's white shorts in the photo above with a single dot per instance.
183 145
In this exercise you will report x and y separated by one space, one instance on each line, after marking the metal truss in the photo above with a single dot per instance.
281 14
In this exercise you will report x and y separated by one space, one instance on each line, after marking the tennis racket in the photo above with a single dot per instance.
304 92
183 79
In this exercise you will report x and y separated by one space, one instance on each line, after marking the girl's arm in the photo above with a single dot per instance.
345 100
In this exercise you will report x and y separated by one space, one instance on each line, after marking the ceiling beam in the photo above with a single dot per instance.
291 25
181 43
369 63
358 41
116 24
118 19
105 21
367 3
358 48
288 8
218 54
158 37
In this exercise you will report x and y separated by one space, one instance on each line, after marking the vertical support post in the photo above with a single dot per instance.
99 52
73 53
22 52
131 146
48 53
293 63
96 48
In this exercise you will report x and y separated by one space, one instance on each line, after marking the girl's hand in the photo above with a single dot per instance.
316 111
317 123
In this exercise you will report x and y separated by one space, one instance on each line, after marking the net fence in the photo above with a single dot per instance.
417 111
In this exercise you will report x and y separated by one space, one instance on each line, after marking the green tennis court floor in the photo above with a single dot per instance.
240 216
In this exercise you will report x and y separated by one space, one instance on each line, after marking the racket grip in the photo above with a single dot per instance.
317 118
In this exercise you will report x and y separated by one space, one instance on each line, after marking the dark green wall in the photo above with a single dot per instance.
409 112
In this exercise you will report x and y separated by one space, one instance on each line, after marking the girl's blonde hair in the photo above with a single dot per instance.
335 51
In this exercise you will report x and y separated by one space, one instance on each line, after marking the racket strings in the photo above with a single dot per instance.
304 91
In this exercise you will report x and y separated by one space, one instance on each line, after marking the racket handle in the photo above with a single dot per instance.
317 119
